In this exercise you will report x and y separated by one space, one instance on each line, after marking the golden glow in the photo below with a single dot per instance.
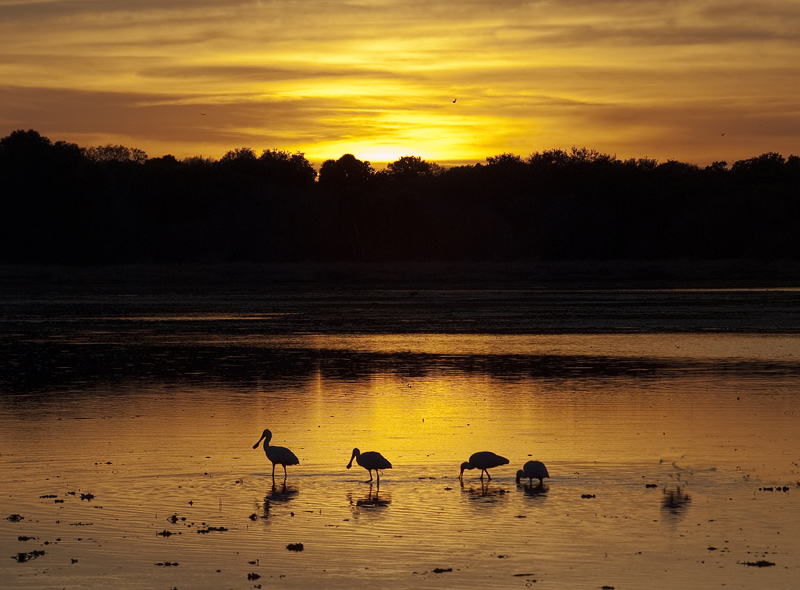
378 79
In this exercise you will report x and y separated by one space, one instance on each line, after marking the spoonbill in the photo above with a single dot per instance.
278 455
533 470
369 461
483 460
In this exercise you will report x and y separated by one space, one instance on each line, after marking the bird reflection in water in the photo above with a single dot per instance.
540 490
279 494
483 491
675 500
373 499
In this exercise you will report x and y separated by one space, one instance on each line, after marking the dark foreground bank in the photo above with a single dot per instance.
677 274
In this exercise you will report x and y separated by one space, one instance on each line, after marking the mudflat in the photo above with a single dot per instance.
504 298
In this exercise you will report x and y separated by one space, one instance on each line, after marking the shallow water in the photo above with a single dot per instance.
126 449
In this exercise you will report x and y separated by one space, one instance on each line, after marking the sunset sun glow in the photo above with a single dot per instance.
452 82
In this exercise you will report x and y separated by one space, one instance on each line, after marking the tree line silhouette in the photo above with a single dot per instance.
64 204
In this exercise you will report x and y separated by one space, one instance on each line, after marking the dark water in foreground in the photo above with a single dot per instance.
668 420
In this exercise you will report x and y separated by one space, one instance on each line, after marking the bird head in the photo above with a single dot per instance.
355 454
266 436
520 474
465 465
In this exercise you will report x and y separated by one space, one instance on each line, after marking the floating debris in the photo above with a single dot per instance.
440 570
15 518
253 516
651 485
295 547
25 538
49 496
88 496
168 563
587 495
759 563
211 529
23 557
253 576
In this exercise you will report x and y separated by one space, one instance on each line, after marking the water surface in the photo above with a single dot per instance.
126 452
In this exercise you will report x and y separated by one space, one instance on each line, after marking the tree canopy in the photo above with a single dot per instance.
110 204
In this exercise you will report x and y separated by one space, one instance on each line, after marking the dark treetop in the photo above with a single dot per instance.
63 204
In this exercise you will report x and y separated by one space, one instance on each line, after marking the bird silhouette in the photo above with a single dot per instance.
533 470
278 455
483 460
369 461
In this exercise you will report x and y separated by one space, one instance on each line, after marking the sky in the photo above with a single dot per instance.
451 81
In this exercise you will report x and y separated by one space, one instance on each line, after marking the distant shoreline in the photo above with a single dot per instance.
708 274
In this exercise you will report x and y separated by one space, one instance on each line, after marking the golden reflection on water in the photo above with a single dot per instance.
648 472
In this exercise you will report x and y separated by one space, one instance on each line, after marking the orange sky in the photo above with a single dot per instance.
377 78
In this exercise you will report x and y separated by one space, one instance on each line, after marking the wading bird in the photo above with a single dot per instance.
533 470
278 455
369 461
483 461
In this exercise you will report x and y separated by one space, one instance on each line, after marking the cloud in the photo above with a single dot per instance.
316 74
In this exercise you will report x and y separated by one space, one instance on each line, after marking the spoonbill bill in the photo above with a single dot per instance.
483 460
369 461
533 470
278 455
